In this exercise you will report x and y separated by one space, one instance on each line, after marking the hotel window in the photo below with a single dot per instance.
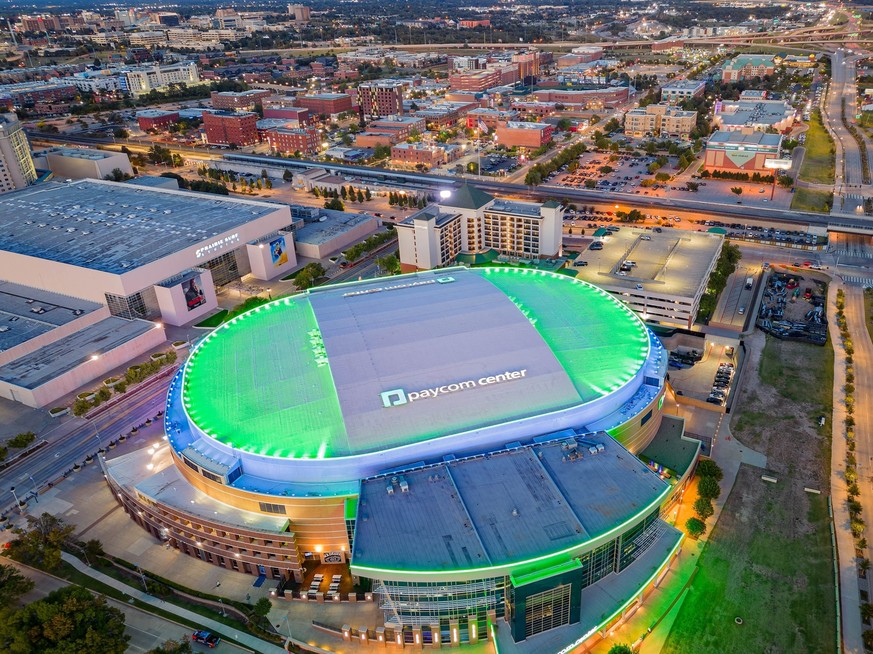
272 508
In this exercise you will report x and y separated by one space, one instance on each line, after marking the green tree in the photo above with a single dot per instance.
40 545
703 507
367 195
708 487
709 468
13 585
620 649
605 170
22 440
120 133
261 609
695 527
736 190
360 196
867 637
785 181
288 175
867 612
69 619
590 183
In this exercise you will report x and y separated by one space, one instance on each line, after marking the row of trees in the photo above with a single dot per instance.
708 490
20 441
540 171
725 266
407 200
738 176
368 245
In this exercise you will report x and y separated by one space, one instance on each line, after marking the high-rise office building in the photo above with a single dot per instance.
300 13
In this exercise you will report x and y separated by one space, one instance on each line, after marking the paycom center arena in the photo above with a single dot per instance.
483 449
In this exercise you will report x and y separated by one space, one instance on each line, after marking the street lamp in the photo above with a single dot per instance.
35 492
17 503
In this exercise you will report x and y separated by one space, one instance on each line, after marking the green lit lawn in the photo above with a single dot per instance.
778 581
818 158
769 559
214 320
805 199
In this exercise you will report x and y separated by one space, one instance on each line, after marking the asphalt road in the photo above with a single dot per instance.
75 438
433 182
849 169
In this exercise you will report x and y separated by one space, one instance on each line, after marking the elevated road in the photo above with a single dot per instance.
434 183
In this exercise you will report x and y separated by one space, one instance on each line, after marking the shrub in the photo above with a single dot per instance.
22 440
703 507
80 407
695 527
709 468
708 488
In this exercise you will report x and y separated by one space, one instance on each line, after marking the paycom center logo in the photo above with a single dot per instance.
394 398
399 397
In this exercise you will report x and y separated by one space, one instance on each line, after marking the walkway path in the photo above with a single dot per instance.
247 640
863 360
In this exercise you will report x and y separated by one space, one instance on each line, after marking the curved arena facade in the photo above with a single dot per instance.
465 441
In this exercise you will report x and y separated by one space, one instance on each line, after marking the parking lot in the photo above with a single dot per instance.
711 377
626 175
793 306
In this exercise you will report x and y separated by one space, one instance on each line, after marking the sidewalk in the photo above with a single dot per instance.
255 644
849 591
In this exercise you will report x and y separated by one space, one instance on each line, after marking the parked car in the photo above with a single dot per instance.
207 638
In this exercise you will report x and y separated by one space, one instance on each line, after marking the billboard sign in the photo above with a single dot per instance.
278 253
193 291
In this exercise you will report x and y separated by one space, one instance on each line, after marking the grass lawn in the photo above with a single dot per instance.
805 199
778 581
214 320
818 158
769 559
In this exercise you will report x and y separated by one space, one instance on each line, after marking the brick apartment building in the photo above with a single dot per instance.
527 135
228 128
156 119
380 98
289 140
327 104
491 118
238 101
411 154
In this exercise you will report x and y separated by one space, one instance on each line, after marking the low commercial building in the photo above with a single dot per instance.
229 128
238 101
430 155
682 90
159 119
283 108
445 115
744 67
480 80
29 94
488 118
402 126
538 109
606 96
659 120
744 152
51 344
668 275
326 104
527 135
758 115
141 251
80 163
471 221
142 79
289 140
326 232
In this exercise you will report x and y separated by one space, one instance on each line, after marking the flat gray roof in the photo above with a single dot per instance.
518 208
754 138
337 224
114 227
502 508
35 369
672 263
27 312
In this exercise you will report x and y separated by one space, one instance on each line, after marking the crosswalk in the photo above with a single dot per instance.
855 253
853 196
866 282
